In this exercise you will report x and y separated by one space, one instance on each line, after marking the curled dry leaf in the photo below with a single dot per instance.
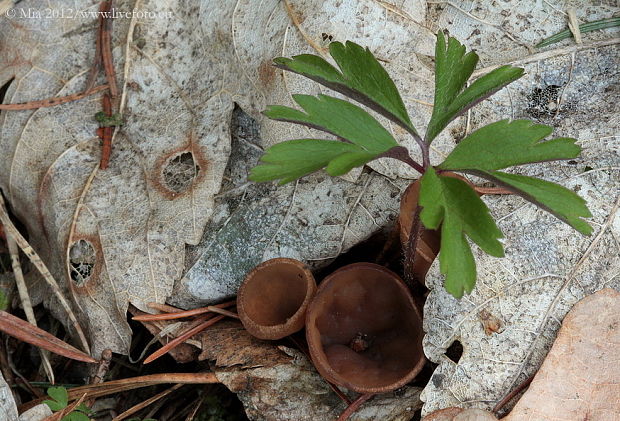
580 378
276 383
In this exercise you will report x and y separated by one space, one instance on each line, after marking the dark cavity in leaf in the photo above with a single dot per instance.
4 88
455 351
180 172
545 102
82 259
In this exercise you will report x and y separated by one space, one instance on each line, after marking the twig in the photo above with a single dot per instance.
512 394
106 50
47 276
51 102
551 53
194 410
182 338
184 313
105 133
146 403
104 367
116 386
26 303
354 406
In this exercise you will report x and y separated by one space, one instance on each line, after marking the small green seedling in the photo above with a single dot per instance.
60 400
445 203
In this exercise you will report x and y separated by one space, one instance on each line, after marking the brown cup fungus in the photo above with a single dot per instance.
364 330
273 298
428 243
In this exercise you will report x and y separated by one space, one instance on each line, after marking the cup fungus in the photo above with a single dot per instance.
428 243
273 298
364 330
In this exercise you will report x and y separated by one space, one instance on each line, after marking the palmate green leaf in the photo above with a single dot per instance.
290 160
507 143
561 202
453 67
360 76
60 398
451 203
338 117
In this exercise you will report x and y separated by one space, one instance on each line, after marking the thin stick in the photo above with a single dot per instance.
26 303
146 403
106 50
116 386
47 276
165 308
354 406
512 394
551 53
51 102
183 313
24 331
105 134
182 338
194 410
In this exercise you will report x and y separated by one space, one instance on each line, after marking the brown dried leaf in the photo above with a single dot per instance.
229 344
580 378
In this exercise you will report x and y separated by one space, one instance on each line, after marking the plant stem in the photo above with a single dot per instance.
402 154
424 148
414 234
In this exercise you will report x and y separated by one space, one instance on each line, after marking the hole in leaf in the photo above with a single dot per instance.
180 172
3 89
455 351
82 260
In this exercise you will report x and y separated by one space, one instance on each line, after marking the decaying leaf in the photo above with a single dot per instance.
117 236
580 377
277 383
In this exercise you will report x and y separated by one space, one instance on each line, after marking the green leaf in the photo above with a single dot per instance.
360 76
561 202
76 416
338 117
290 160
453 204
453 67
507 143
60 398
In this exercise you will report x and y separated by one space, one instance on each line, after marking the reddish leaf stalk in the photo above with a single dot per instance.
354 406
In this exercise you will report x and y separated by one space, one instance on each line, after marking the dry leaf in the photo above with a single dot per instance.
548 266
580 378
118 236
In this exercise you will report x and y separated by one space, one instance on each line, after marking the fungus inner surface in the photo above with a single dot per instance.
368 329
277 292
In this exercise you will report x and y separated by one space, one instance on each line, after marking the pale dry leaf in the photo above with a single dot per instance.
580 377
118 236
8 408
548 266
